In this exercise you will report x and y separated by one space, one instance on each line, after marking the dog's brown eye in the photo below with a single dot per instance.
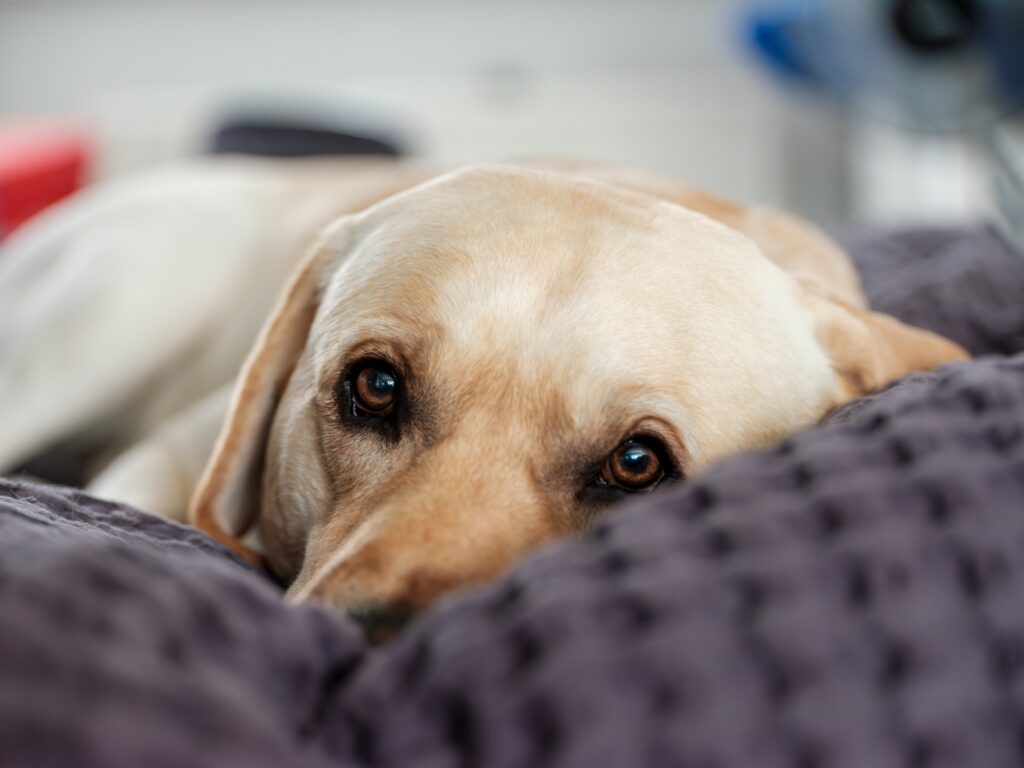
633 466
374 388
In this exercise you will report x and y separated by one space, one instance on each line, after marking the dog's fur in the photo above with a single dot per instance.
537 315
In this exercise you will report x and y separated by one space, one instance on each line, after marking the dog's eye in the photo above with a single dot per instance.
374 387
636 465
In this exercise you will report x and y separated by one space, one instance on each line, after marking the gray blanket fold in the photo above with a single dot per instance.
851 597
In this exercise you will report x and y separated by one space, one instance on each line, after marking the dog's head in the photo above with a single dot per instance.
491 359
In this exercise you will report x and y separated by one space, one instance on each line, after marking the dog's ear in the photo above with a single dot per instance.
227 499
870 349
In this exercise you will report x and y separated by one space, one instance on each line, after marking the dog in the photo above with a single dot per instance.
466 365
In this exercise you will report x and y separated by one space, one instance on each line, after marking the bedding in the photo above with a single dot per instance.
851 597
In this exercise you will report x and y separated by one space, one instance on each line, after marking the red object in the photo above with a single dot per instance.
40 163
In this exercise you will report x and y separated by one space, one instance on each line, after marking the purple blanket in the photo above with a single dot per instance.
852 597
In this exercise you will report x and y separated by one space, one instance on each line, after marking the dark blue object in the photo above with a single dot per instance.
1003 34
773 34
805 42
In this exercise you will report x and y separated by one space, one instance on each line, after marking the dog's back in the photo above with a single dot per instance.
131 301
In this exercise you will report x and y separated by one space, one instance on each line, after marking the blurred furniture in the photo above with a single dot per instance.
40 163
257 134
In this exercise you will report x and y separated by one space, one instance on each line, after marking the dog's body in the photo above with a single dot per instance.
148 293
484 361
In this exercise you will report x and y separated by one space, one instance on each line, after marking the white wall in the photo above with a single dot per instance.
661 84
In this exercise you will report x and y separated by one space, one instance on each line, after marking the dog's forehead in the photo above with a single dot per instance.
525 263
495 239
506 218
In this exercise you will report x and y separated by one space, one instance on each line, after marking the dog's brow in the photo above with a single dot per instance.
337 345
647 411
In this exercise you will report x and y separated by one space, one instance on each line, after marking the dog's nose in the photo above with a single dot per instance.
381 621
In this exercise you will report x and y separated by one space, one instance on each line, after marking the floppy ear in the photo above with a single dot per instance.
227 499
869 349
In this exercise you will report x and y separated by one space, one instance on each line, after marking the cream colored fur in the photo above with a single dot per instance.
540 316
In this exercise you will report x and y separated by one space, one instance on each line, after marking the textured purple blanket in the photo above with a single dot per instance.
852 597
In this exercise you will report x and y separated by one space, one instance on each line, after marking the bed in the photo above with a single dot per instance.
853 596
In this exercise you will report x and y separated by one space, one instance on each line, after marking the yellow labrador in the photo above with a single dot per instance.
490 359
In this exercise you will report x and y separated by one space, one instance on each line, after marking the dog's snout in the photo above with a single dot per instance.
421 542
380 620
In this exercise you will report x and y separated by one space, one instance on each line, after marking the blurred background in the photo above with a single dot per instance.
667 85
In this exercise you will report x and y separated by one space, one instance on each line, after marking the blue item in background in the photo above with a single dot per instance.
937 64
934 65
772 33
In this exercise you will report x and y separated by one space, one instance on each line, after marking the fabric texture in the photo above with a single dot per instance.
851 597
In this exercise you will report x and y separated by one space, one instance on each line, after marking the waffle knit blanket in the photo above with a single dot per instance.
851 597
